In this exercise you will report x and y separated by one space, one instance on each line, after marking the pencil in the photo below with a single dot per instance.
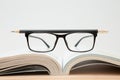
23 31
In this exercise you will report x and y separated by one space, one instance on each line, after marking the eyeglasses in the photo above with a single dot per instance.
46 40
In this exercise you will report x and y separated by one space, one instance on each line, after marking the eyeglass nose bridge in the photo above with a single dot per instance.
61 35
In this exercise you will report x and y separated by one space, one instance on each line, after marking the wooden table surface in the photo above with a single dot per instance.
70 77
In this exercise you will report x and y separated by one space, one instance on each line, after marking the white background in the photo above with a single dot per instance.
60 14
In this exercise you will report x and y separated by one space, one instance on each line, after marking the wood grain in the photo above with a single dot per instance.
70 77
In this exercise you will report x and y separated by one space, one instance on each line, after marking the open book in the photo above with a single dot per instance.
41 63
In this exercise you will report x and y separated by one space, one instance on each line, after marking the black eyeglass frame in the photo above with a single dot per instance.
28 32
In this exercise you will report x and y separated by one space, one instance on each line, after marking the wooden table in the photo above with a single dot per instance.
70 77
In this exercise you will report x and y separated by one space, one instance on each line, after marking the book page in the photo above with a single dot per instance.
77 59
71 55
26 51
17 61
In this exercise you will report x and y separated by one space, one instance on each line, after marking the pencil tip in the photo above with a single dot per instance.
15 31
12 31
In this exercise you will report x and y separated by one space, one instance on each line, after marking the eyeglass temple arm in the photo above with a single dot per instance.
99 31
41 39
82 39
